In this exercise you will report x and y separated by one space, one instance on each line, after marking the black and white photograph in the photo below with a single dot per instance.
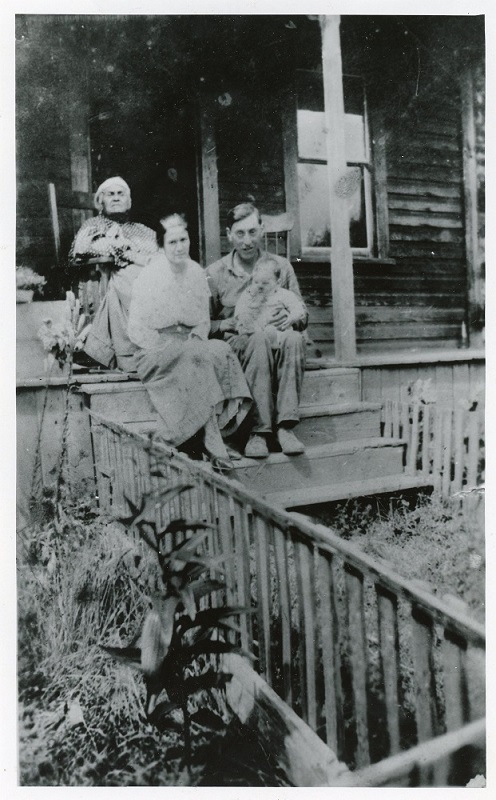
250 399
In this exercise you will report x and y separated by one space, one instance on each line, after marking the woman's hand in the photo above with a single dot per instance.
227 325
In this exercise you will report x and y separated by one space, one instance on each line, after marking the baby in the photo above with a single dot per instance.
263 299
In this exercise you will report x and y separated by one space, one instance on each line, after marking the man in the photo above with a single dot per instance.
129 245
273 373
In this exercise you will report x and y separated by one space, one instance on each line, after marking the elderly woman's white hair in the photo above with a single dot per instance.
109 183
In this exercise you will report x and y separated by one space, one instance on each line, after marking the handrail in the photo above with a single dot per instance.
334 630
474 631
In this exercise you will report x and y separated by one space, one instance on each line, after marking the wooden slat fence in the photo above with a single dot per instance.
446 444
375 665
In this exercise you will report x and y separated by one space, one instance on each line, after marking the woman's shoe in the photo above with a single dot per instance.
220 465
256 446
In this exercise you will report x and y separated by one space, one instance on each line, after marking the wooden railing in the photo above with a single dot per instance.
446 444
374 664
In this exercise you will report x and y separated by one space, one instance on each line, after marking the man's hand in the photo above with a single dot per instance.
281 319
227 325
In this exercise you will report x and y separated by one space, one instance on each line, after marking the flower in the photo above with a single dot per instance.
59 340
27 278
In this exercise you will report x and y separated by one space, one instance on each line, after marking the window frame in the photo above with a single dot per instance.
374 179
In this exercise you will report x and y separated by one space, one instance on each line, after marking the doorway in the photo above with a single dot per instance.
156 156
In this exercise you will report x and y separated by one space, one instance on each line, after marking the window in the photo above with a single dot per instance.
313 190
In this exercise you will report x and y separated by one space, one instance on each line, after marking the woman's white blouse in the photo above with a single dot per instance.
162 298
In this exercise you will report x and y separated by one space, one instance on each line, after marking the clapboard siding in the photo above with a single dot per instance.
399 305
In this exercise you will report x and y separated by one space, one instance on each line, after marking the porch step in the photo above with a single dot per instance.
313 495
323 466
326 423
318 424
333 386
129 401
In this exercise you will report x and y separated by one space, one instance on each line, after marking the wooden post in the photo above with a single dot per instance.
343 299
290 150
208 185
475 301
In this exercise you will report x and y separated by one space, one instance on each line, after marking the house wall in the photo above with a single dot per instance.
414 296
249 154
42 138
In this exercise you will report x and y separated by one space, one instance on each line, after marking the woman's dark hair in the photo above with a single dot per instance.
241 211
176 218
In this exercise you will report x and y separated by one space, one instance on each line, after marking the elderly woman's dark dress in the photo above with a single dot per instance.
129 245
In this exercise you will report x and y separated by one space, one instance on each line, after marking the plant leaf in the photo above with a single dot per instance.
189 525
211 617
162 710
136 511
131 656
204 586
207 718
188 600
156 635
190 545
215 646
209 680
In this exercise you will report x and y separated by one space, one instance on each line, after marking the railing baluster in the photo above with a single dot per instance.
331 658
437 442
280 547
225 530
305 578
242 564
358 660
454 650
425 690
406 432
473 448
387 610
103 467
414 440
118 494
388 420
447 447
426 440
396 419
459 449
264 604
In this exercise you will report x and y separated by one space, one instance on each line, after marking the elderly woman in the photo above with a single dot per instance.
196 384
129 245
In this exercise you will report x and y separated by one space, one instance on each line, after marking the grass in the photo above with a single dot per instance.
82 718
435 541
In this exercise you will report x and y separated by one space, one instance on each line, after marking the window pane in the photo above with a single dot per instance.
314 205
311 136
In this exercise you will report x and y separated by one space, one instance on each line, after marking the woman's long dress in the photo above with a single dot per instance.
188 377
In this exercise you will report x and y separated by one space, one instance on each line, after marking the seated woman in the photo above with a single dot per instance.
194 383
129 245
